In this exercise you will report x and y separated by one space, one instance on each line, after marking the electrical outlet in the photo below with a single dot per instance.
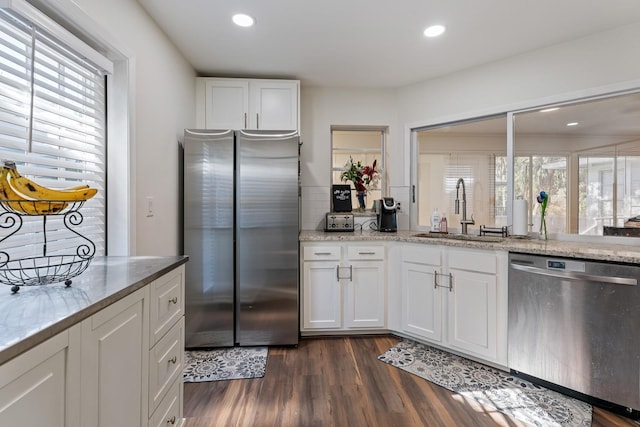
398 206
149 206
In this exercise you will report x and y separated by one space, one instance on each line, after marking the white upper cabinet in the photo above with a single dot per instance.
262 104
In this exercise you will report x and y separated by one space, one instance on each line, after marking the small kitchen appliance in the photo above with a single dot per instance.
387 215
338 221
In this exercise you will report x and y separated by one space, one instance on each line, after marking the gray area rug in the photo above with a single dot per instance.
225 364
492 388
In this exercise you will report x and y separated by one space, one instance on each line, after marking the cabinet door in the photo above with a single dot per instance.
365 301
472 311
321 295
273 105
33 386
115 349
226 104
422 301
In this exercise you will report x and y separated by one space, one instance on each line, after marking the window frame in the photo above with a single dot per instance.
60 80
121 166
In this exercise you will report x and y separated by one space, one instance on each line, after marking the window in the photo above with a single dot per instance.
535 173
585 155
474 151
609 188
52 124
363 145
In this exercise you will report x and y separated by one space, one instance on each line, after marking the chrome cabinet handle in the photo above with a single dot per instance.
366 253
173 300
257 121
350 273
173 360
171 420
245 120
435 280
322 253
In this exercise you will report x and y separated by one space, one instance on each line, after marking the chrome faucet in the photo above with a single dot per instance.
464 222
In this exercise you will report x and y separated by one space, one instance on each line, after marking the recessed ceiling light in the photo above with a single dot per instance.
243 20
548 110
434 30
572 124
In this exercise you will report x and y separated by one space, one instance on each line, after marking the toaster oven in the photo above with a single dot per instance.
338 221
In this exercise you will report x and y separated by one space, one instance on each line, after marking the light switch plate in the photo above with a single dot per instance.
149 206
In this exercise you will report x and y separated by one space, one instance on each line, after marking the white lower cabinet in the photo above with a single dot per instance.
422 300
456 298
343 287
472 303
114 362
120 367
36 389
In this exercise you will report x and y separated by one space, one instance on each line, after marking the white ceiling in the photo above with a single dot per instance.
373 43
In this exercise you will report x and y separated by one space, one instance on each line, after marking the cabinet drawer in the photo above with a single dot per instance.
166 303
318 253
481 262
422 254
365 252
168 412
166 361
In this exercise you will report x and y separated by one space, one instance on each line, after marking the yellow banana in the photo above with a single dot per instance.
34 191
18 203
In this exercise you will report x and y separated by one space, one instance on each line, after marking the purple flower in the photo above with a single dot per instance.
543 199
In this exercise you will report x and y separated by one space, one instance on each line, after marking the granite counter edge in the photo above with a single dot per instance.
598 252
52 330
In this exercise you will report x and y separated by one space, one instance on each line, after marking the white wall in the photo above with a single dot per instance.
320 109
163 105
597 63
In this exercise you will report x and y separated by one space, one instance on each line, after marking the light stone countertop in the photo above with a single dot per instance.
601 251
36 313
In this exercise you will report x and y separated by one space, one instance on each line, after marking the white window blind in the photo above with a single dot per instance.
53 125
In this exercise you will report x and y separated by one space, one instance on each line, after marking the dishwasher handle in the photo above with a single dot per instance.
575 275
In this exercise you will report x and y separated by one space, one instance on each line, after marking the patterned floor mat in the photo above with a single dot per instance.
225 364
493 388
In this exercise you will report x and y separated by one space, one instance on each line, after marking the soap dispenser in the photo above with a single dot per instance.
435 221
443 224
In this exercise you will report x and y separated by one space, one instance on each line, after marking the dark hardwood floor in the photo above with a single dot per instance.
340 382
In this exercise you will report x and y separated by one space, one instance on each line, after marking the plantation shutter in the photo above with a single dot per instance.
53 125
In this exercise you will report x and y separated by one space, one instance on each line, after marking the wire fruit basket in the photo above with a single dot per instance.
44 269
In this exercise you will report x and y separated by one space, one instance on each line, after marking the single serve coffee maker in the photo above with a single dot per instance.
387 215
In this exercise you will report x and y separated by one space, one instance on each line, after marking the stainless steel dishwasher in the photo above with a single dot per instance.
576 324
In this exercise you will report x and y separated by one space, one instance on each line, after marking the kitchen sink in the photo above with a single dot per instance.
463 237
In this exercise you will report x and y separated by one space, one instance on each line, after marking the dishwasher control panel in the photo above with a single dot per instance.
566 265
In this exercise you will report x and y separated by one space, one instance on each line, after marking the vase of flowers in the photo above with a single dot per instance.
364 178
543 199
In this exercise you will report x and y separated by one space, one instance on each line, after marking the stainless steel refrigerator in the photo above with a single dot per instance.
241 201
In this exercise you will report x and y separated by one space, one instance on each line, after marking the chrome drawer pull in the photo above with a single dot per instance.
173 360
366 253
322 253
173 300
171 420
